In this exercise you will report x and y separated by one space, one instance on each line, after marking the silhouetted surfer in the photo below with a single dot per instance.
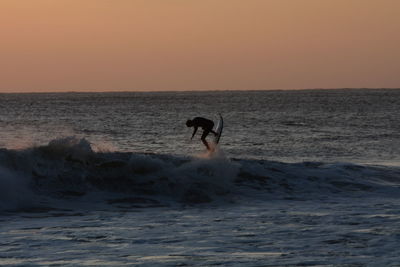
207 126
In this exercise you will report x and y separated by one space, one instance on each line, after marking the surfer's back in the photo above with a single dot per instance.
203 122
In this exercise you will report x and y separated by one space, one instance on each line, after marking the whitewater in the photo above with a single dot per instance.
301 178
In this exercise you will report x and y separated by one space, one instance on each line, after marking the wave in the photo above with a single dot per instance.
69 169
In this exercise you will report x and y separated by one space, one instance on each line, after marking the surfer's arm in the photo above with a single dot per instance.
194 132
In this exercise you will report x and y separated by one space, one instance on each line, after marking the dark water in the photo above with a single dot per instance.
325 125
287 188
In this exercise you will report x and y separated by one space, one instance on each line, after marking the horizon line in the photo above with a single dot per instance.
197 91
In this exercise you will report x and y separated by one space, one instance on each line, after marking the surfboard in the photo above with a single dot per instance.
218 129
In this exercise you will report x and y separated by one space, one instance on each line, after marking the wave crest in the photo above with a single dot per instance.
69 167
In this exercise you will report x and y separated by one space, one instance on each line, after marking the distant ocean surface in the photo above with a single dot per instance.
291 126
301 178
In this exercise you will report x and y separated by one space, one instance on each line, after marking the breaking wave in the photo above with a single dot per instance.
68 169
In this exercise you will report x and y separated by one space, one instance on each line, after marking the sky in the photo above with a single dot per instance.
157 45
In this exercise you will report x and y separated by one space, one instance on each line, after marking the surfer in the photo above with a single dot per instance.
207 126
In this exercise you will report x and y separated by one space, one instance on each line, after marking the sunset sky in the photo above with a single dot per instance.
130 45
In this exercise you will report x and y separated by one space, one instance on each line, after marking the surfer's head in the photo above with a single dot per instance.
189 123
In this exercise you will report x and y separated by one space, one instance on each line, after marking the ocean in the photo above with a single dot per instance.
300 178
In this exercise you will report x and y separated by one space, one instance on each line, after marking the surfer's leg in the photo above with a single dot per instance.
203 139
214 132
206 144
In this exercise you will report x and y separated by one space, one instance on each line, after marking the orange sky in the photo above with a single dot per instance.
120 45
